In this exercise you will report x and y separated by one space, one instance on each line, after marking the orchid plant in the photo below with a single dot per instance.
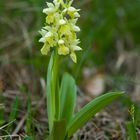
59 38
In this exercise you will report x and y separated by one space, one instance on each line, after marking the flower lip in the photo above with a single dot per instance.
62 50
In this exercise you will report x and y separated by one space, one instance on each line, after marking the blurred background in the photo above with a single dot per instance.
110 61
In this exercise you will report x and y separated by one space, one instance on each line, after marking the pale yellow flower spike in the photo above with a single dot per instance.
60 30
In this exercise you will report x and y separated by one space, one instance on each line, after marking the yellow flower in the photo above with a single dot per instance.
60 30
65 30
62 50
45 49
62 22
73 12
73 57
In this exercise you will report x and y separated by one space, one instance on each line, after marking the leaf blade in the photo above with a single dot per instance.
67 97
90 110
58 130
131 130
50 95
14 109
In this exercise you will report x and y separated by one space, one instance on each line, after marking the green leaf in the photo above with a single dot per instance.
29 120
58 131
50 94
90 110
2 117
131 130
14 109
53 97
67 97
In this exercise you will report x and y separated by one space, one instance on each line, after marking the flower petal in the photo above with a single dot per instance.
45 49
73 57
62 50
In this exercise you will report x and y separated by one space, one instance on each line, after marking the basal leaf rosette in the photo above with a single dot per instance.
60 29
